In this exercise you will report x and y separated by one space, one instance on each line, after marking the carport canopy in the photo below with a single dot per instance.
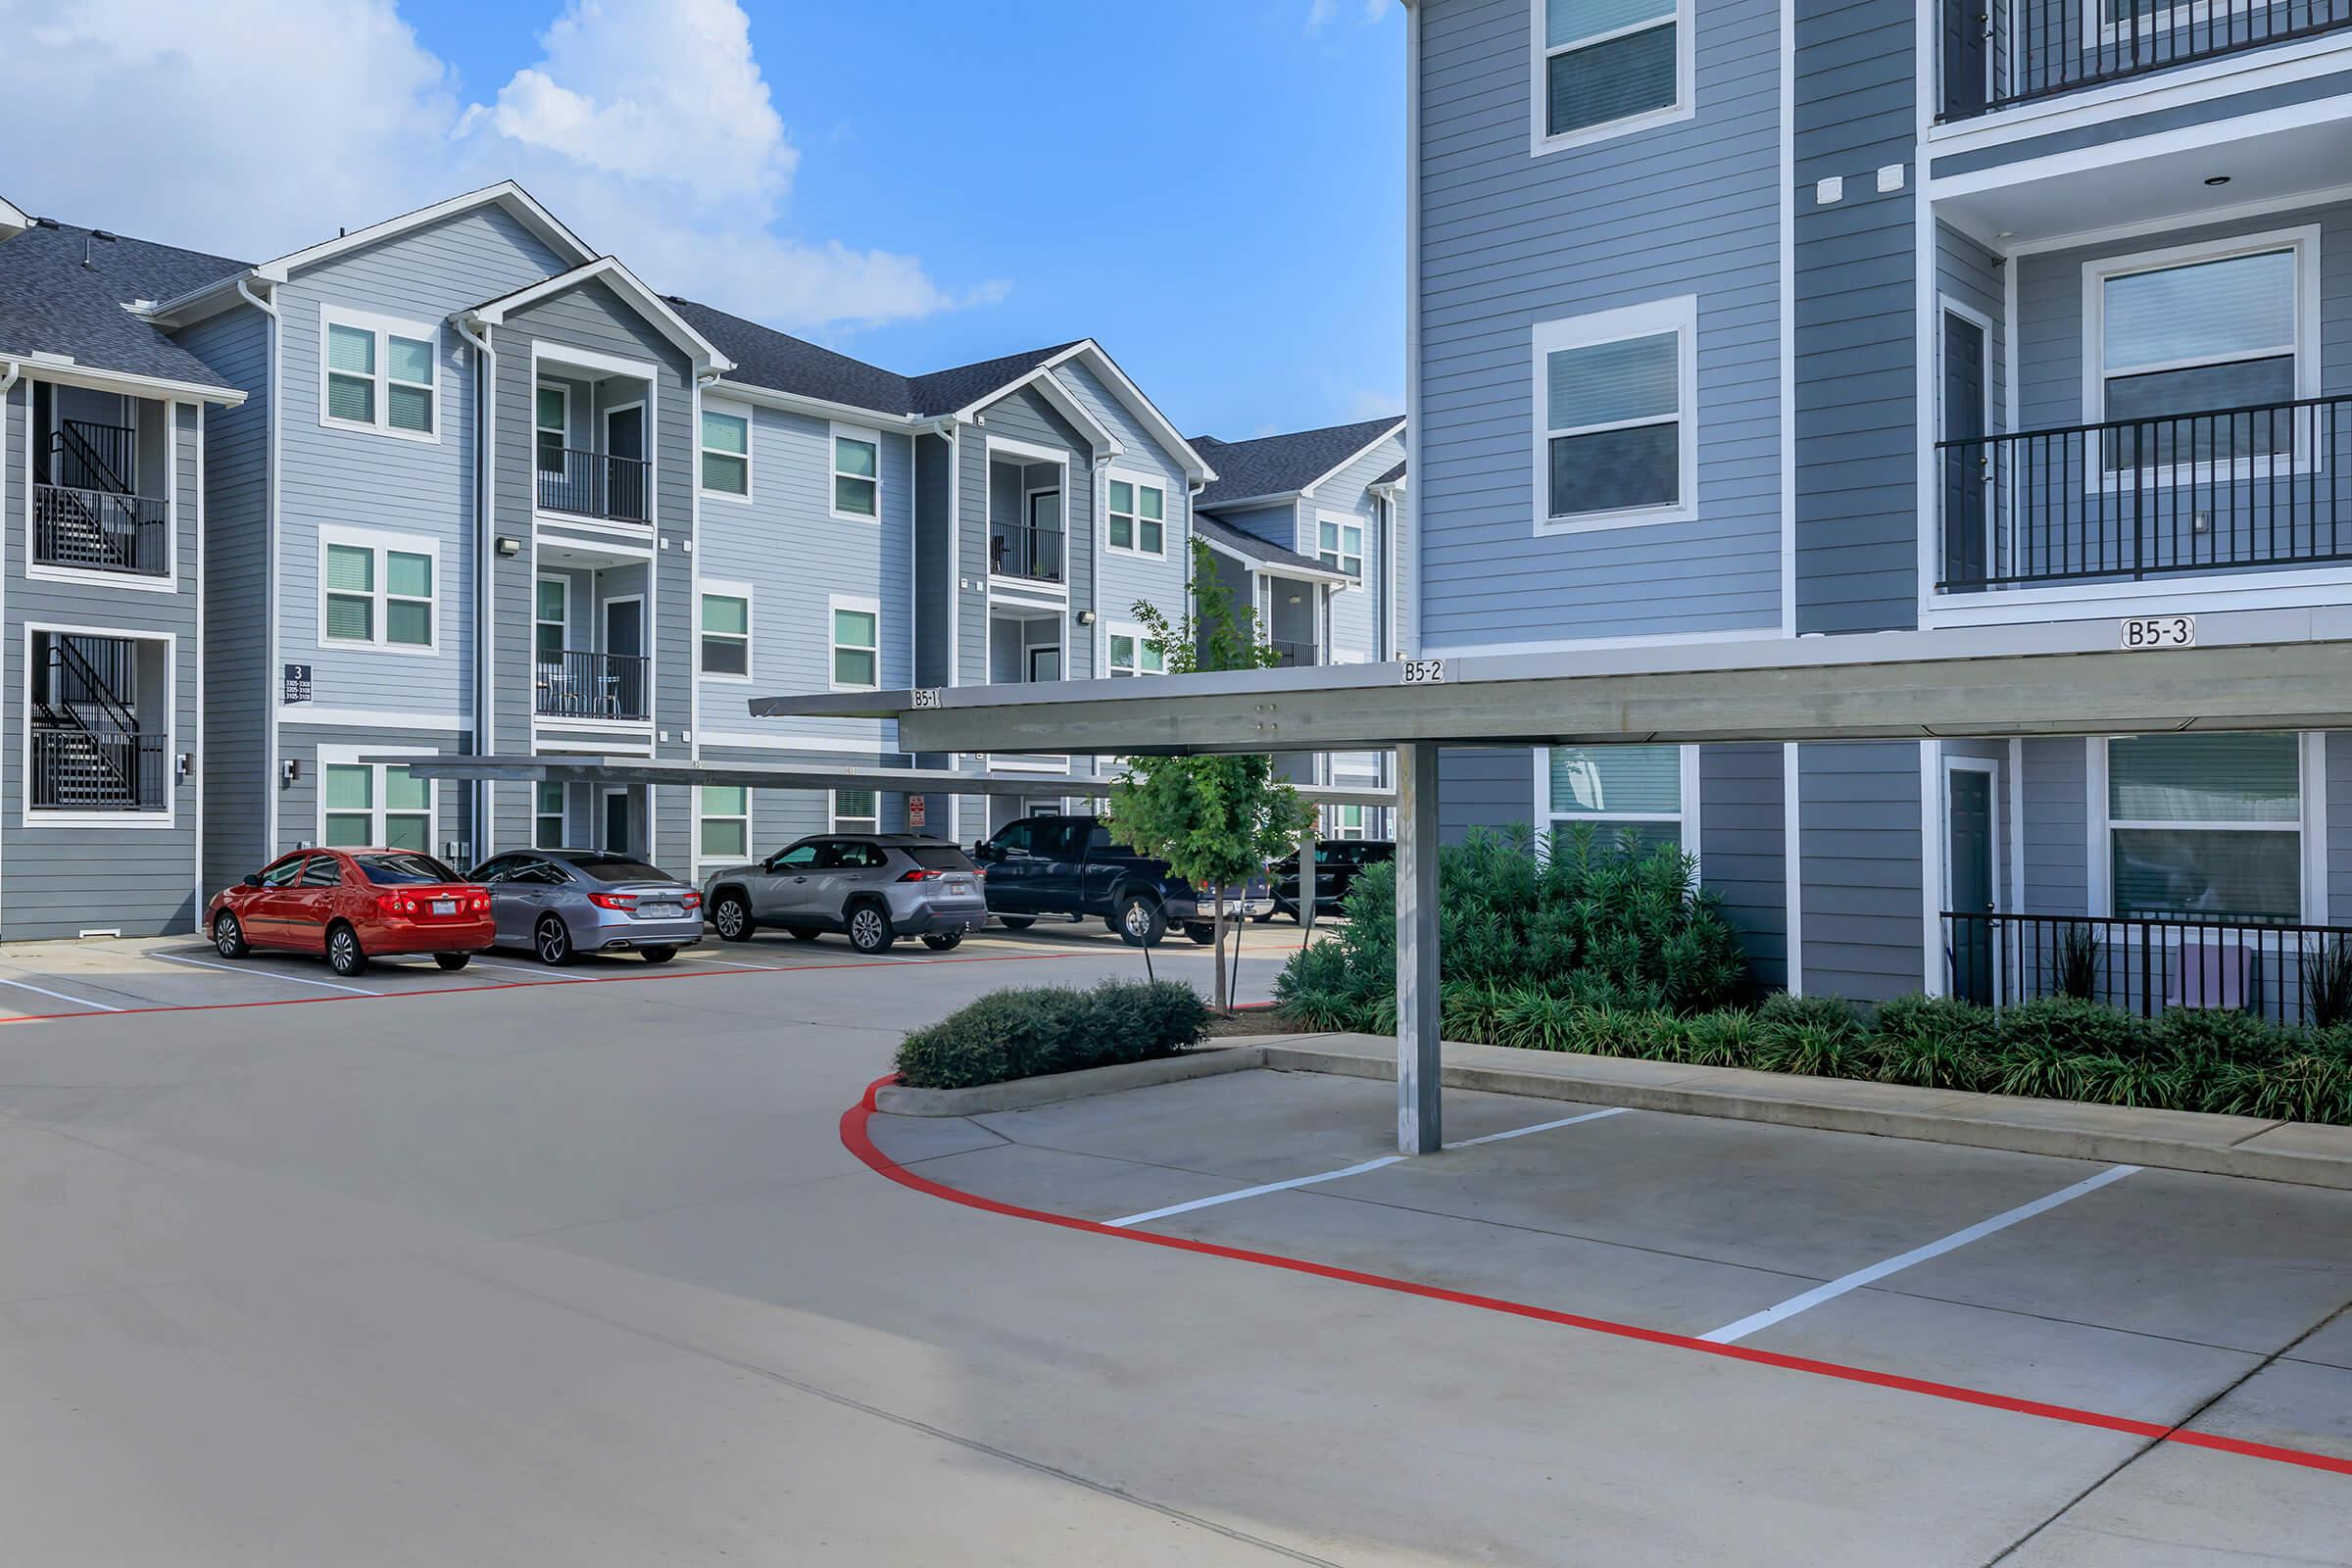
2225 670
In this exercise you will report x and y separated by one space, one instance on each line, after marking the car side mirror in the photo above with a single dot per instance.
253 880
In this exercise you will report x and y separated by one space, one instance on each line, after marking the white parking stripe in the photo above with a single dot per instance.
79 1002
1252 1192
264 974
519 968
1540 1127
1836 1287
703 958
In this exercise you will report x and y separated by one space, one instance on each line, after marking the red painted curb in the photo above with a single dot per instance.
857 1139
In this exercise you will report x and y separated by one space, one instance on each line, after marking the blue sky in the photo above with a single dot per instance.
1212 190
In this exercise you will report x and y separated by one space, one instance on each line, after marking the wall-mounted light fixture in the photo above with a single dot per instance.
509 546
1085 618
183 766
289 770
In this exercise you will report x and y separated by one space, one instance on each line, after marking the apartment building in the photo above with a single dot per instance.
1737 320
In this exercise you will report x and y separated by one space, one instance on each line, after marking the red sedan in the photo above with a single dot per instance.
353 906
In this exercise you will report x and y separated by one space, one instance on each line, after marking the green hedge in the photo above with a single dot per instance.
2055 1049
1043 1029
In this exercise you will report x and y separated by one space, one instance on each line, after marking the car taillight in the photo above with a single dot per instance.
396 903
480 904
613 901
694 901
921 874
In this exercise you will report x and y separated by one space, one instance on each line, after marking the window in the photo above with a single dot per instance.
553 427
363 805
857 475
2199 333
1603 68
1344 821
857 644
375 591
727 634
1341 546
552 617
376 375
2206 825
1133 653
726 453
854 811
547 824
1139 517
285 873
725 830
1613 395
1617 789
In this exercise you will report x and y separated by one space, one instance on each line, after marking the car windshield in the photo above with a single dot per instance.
397 870
619 868
939 858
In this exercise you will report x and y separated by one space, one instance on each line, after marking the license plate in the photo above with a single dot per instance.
659 911
960 885
445 906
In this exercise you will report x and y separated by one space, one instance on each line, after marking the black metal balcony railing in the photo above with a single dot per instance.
2143 964
1025 551
1997 53
1292 656
75 768
84 454
583 685
595 484
100 531
2235 488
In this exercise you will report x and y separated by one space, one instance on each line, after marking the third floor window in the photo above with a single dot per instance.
1607 67
378 375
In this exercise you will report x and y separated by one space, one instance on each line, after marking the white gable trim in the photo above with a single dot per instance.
1143 408
506 193
1106 442
652 306
1393 433
11 216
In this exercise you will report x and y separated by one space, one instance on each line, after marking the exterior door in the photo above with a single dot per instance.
1044 664
1965 25
1965 545
1969 877
1045 535
782 891
613 831
622 687
625 487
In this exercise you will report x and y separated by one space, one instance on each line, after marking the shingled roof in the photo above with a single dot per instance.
63 290
1283 464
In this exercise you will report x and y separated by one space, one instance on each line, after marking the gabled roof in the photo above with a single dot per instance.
520 204
13 218
63 292
1390 477
1276 467
1250 550
965 388
781 363
622 281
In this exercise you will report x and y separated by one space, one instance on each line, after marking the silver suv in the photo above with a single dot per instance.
875 887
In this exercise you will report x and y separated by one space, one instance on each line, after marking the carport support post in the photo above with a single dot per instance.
1419 1110
1310 891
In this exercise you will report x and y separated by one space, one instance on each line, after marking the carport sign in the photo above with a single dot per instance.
914 812
298 683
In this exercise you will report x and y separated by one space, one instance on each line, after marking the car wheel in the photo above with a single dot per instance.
229 938
1016 922
806 933
656 955
1205 934
733 917
552 941
452 960
343 952
869 928
944 941
1141 922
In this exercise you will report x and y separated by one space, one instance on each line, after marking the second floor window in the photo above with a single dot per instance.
2209 333
553 416
1613 398
1139 514
857 476
551 616
1341 546
726 634
1605 67
1131 655
856 648
377 594
379 378
726 453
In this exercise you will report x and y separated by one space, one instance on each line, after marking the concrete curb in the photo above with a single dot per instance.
1025 1094
2302 1153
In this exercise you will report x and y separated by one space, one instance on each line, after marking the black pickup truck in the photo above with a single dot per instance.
1042 867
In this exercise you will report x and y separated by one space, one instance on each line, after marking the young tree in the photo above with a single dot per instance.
1216 820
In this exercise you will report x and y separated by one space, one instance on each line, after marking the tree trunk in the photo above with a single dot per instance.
1217 926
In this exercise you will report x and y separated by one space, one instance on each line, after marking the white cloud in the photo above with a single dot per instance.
647 124
1320 14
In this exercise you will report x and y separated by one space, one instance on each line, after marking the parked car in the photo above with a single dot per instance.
563 902
1069 866
352 906
1337 863
872 887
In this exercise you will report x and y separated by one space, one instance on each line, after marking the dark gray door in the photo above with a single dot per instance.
616 823
622 679
1969 867
1964 467
1964 53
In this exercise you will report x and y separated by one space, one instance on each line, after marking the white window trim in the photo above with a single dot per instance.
835 434
2311 823
711 587
2304 241
1679 316
1142 481
1541 142
543 578
834 818
130 581
561 818
384 326
1342 521
751 430
1134 629
28 815
381 542
872 606
750 803
350 756
1546 819
563 390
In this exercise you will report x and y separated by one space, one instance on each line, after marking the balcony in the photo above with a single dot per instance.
1031 552
2142 965
95 744
80 770
593 484
2018 51
1293 654
2267 486
594 686
86 512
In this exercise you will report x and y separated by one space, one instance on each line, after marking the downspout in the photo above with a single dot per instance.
485 552
272 671
10 371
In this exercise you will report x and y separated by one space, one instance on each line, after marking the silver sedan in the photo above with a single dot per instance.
562 902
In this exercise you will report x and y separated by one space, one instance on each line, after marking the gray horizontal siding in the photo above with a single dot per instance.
1490 787
1742 850
1858 823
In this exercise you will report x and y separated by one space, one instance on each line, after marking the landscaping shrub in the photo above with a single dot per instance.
1023 1033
